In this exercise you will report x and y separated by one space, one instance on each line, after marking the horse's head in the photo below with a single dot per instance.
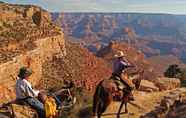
137 81
42 97
68 84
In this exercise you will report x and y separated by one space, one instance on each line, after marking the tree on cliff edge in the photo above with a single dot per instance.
173 71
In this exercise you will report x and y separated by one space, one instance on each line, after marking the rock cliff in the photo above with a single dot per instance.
28 38
79 65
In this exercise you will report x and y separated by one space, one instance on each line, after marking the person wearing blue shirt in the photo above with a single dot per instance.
119 66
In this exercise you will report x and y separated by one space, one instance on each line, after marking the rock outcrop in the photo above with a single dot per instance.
159 84
21 27
79 65
164 83
36 14
172 105
148 86
18 111
28 38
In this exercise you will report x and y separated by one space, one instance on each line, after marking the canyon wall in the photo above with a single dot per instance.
46 49
27 38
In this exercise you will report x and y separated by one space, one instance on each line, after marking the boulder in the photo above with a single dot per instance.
148 86
23 111
165 83
172 105
18 111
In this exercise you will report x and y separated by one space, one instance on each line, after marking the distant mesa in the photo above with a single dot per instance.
153 34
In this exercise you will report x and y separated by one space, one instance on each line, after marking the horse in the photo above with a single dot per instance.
103 95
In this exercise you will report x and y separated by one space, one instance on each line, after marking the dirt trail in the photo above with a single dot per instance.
147 102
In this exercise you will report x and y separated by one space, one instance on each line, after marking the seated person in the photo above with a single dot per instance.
120 64
26 93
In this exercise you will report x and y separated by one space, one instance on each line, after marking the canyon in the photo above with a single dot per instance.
29 37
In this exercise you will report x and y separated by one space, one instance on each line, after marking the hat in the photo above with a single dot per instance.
119 54
24 72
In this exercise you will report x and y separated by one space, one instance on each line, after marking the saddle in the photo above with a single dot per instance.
122 87
117 81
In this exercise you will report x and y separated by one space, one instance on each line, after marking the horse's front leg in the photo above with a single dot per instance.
121 106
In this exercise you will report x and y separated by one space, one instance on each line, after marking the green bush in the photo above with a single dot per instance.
183 71
173 71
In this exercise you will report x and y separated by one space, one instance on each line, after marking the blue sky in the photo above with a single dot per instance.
144 6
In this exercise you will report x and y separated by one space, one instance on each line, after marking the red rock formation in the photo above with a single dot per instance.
79 65
24 43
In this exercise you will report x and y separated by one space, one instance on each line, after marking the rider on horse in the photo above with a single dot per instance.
119 75
25 92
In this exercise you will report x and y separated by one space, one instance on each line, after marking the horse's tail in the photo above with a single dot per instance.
96 97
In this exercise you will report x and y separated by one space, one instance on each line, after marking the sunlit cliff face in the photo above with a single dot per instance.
28 38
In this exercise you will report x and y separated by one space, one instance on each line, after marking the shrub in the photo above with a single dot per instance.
173 71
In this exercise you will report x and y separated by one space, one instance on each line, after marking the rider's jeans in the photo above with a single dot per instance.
37 105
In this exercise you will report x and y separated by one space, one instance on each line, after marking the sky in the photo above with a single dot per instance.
142 6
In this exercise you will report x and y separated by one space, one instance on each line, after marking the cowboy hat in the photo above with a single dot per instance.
119 54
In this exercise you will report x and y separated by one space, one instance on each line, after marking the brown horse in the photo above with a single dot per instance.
103 95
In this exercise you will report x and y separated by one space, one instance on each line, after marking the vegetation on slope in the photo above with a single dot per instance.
80 66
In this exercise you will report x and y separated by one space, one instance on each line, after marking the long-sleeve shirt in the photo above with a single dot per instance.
24 89
119 66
